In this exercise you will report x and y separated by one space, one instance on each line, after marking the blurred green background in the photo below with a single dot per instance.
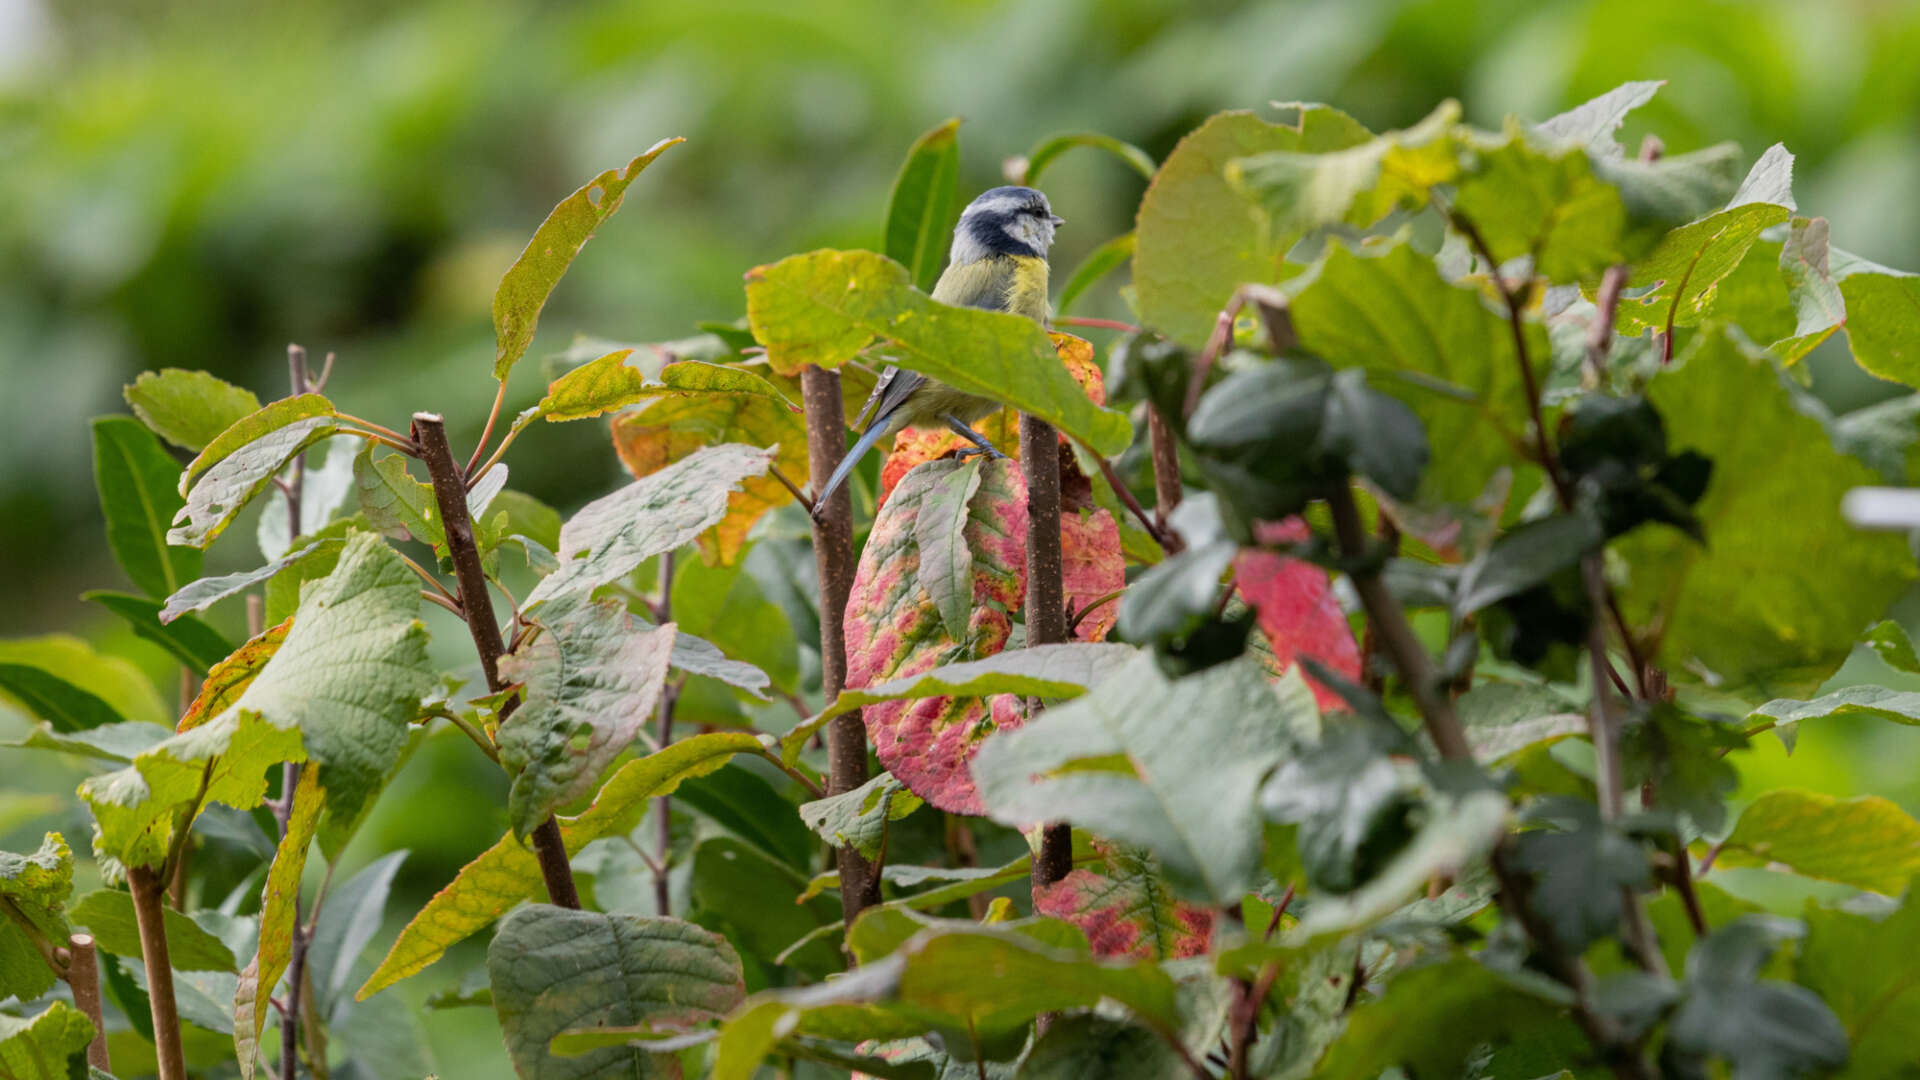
196 185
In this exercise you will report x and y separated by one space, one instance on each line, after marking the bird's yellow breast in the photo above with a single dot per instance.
1015 283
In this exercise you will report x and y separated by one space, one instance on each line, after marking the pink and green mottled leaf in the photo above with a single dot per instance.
1294 604
1126 909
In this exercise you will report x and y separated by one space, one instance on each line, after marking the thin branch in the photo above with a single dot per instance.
430 579
813 786
1390 626
401 441
1166 464
787 482
486 433
833 560
478 737
1530 383
1096 324
83 978
430 431
473 478
1217 341
669 697
1168 540
1073 623
147 887
406 448
441 601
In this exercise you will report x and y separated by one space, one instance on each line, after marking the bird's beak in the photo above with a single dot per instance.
1058 220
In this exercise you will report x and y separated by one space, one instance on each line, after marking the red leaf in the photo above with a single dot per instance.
1296 609
1126 911
1092 568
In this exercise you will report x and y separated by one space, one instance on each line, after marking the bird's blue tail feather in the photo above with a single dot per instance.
872 435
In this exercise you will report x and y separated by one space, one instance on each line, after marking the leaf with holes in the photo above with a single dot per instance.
225 489
524 289
609 537
554 970
593 677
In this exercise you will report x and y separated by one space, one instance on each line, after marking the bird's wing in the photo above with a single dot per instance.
892 391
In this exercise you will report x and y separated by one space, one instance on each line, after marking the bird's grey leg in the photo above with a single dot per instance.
980 445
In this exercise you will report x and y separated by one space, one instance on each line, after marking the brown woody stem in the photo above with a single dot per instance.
833 559
83 978
450 492
1046 597
148 906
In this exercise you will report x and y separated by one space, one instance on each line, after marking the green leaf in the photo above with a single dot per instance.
1502 718
1579 869
1197 239
1111 761
1592 123
946 565
349 920
49 1046
63 706
1045 153
1357 185
208 591
1437 347
1673 285
122 686
1354 808
1433 1017
612 535
188 408
279 912
323 491
1671 191
1524 557
1046 671
976 985
1763 1027
507 873
1099 262
554 970
1867 842
1529 200
859 817
256 425
1899 706
1860 966
726 608
109 742
740 801
527 284
33 893
394 502
230 484
824 307
191 641
920 212
1881 329
1889 641
135 476
1819 307
596 387
593 677
1750 608
342 688
108 916
1458 834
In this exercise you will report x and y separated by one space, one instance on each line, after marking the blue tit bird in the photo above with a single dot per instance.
998 262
